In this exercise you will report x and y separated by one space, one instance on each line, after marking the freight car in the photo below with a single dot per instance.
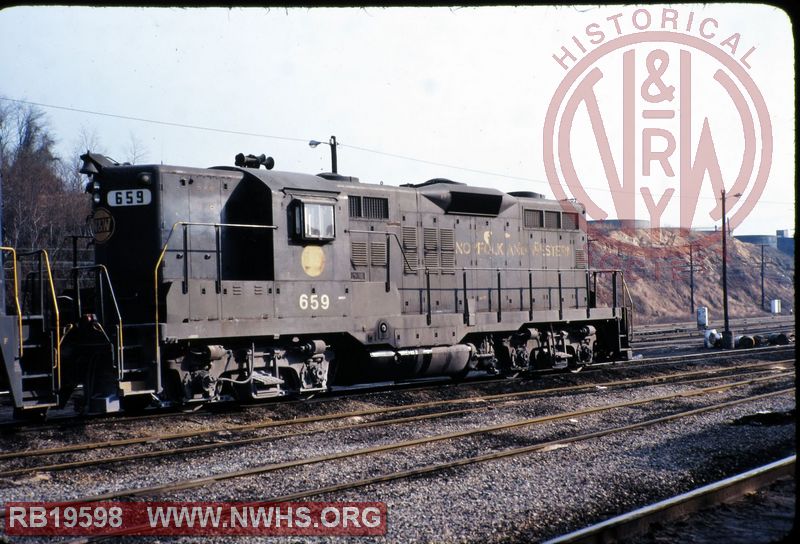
241 283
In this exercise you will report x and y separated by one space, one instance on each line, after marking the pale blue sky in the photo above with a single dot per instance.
463 87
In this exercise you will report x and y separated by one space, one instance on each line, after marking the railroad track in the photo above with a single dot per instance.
687 343
540 446
638 521
487 402
690 327
380 411
61 423
262 469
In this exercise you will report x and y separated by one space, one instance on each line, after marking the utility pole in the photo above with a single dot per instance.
762 276
691 275
589 250
727 334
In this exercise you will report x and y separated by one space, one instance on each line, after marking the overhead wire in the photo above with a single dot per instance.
339 144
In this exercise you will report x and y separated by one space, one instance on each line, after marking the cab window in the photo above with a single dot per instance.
314 221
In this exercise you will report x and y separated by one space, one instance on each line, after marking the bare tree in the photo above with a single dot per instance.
87 140
40 205
136 152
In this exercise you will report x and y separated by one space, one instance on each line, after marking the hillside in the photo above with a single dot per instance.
656 268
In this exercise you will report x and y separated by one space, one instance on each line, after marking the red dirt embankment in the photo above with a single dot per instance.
656 266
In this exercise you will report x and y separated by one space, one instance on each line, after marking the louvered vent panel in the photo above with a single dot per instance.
580 258
430 236
410 250
431 245
377 253
432 261
358 253
447 240
447 245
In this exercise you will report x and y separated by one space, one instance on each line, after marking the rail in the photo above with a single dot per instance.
16 292
632 524
218 251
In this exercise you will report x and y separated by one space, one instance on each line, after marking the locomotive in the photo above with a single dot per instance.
243 283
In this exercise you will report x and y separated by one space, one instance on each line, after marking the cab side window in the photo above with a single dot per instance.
314 221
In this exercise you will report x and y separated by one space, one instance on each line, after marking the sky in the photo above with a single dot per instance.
410 93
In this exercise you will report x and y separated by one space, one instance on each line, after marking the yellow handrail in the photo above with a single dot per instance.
16 292
58 322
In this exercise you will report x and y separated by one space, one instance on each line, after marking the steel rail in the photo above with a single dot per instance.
194 483
634 523
59 422
343 415
429 469
258 439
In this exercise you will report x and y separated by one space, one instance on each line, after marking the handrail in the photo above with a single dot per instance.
49 270
120 342
164 252
16 292
58 318
399 244
629 316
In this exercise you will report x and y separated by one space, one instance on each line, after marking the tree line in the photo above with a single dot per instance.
42 194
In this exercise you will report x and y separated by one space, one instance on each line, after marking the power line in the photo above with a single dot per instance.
154 121
303 140
441 164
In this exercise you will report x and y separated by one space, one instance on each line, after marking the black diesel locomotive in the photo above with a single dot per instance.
246 283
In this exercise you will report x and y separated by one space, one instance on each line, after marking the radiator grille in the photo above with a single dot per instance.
375 207
532 219
569 221
552 220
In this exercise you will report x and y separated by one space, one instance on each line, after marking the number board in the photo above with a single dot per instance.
129 197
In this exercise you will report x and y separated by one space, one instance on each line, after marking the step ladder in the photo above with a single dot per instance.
35 371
